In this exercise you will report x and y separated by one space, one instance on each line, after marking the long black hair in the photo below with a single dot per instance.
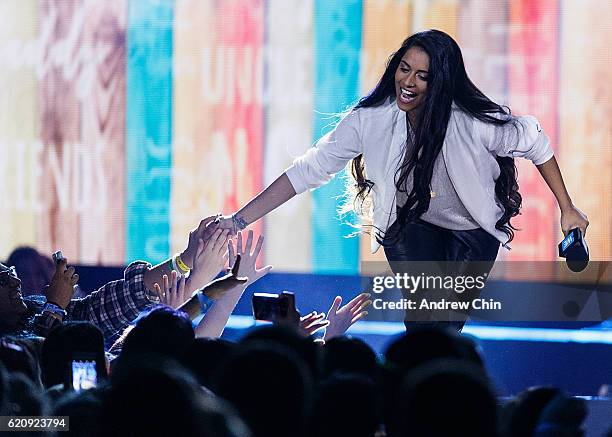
447 82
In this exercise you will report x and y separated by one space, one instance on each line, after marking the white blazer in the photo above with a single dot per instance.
469 152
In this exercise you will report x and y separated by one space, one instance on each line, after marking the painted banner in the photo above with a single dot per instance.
337 45
20 146
533 89
288 103
585 131
201 168
386 24
82 101
149 129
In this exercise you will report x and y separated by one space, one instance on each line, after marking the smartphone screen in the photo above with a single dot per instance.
84 374
272 307
265 306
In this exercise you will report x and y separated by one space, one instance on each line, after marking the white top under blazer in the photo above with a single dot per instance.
469 151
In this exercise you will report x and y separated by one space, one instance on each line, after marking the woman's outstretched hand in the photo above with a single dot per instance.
573 218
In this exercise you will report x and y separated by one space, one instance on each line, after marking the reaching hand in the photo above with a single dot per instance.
61 289
311 323
247 266
210 259
226 222
203 232
573 218
172 292
217 288
341 319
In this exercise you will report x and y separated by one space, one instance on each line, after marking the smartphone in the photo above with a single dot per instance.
84 373
272 307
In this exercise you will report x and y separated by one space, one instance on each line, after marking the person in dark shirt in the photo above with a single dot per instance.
117 303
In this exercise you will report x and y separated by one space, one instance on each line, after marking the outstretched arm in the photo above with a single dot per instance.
203 232
216 318
571 217
313 169
277 193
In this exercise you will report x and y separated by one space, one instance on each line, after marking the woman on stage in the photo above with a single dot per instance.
436 157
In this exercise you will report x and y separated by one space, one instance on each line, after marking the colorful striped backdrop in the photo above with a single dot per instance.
124 122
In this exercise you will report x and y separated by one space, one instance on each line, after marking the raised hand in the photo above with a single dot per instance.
61 289
210 259
341 319
217 288
172 292
311 323
203 232
214 290
247 266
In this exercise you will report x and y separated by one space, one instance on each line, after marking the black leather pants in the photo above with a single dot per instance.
449 252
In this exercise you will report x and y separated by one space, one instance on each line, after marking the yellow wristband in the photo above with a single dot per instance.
181 265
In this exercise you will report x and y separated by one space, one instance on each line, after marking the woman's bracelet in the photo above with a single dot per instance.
239 222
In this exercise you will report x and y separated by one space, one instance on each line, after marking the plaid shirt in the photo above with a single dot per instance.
111 308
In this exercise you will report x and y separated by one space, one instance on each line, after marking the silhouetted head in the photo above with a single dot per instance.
204 356
270 387
156 396
163 331
446 397
34 269
349 355
345 396
71 342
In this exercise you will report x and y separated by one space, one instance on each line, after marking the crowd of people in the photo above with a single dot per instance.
157 369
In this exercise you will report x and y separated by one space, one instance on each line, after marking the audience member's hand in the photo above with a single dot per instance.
61 289
311 323
217 288
341 319
203 232
209 260
172 291
247 265
226 222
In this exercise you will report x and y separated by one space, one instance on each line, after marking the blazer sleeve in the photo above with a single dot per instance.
329 155
521 137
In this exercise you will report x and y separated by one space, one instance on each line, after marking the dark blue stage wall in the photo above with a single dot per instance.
515 362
